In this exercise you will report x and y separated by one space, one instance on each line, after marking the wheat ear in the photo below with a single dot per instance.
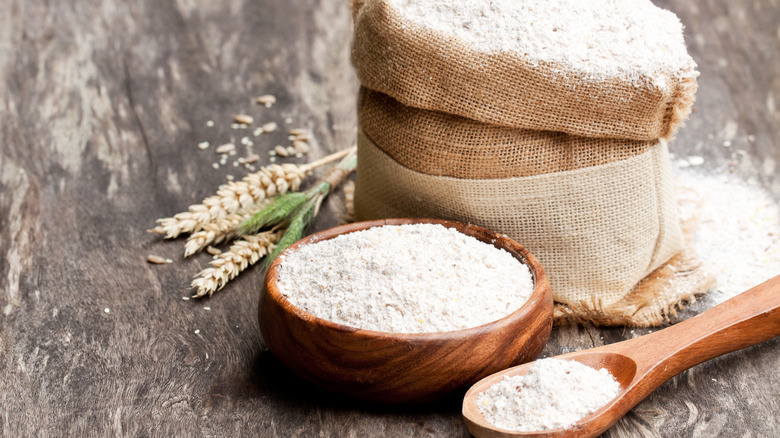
230 197
242 254
233 196
219 231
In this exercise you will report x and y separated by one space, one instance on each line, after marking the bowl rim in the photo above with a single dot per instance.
536 299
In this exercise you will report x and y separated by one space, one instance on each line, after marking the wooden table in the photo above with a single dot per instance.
102 105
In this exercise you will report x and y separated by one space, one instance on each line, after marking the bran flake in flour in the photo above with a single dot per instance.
417 278
599 38
553 394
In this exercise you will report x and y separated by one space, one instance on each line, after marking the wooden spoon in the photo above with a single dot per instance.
643 364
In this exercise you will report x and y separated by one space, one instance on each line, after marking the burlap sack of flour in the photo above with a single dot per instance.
599 214
426 64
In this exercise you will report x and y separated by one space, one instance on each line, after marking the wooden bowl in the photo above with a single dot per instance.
402 367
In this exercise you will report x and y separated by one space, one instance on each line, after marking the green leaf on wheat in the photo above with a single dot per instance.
279 210
294 231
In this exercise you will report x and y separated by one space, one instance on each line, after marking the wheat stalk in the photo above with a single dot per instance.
233 196
229 264
276 212
219 231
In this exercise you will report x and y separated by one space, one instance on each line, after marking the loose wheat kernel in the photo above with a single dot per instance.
266 99
281 151
225 148
244 119
151 258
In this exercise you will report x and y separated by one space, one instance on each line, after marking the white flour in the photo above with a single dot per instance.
554 394
405 279
601 38
738 238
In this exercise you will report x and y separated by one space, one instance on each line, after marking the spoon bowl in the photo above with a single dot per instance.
642 364
622 368
403 367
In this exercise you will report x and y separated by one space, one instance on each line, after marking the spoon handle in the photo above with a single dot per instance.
747 319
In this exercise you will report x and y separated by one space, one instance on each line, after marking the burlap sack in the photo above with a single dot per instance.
597 230
426 69
437 143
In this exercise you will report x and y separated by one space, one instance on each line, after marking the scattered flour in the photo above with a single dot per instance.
602 38
738 236
405 279
554 394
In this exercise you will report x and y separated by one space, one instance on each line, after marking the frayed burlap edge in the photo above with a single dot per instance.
655 299
680 106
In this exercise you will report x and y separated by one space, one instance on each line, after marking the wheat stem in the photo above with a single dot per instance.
298 224
329 159
276 212
233 196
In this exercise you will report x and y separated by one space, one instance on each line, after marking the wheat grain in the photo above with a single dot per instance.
249 159
269 127
301 147
229 264
349 200
218 231
266 99
281 151
231 197
213 251
302 137
244 119
151 258
225 148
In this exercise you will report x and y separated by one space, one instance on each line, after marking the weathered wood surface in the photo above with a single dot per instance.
102 104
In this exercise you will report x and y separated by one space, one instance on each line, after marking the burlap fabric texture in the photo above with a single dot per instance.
427 69
599 214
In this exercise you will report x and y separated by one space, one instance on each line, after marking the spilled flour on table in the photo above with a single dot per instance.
738 233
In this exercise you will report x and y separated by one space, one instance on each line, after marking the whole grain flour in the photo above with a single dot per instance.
553 394
602 39
416 278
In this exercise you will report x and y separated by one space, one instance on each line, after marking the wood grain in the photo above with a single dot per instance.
102 104
404 367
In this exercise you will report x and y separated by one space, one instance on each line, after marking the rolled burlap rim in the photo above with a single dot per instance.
428 69
437 143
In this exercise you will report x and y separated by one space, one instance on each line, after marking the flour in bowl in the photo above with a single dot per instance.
554 394
417 278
